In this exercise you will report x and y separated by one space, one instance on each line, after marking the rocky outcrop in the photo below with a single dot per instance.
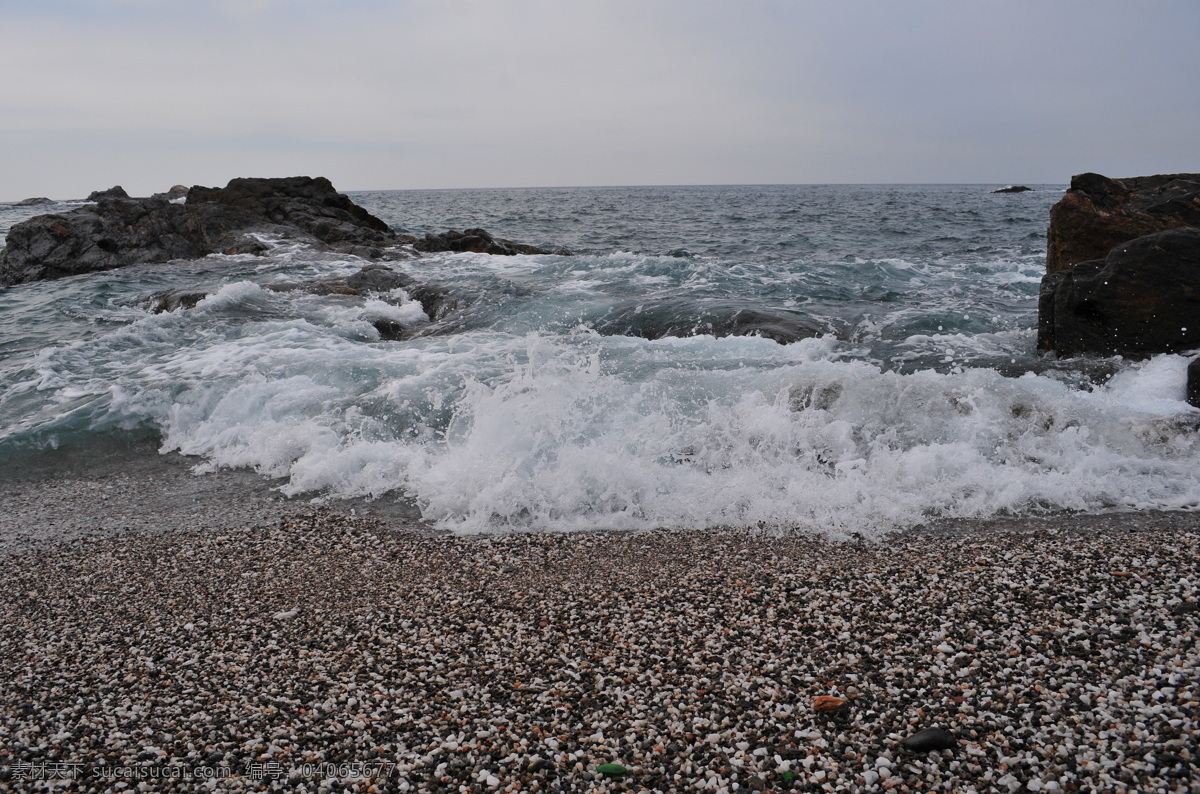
1123 267
113 192
36 201
1097 214
117 232
310 205
1142 299
479 241
1013 189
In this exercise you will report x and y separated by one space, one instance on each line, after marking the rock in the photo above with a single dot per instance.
612 770
1143 298
831 706
113 192
929 739
379 279
1097 214
684 318
34 202
176 193
1193 383
392 331
311 205
117 232
478 241
247 244
436 301
172 299
1013 189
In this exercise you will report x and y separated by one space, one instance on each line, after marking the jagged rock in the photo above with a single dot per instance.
1013 189
1142 299
113 192
479 241
117 232
37 201
1097 214
308 204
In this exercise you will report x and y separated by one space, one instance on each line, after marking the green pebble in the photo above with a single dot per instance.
612 770
789 775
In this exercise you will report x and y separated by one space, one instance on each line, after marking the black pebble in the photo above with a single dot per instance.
930 739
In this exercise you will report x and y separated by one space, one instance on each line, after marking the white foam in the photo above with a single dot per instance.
585 432
560 430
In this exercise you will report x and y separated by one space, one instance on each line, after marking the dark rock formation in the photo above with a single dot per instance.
1123 267
34 202
683 318
310 205
1013 189
1193 383
113 192
1097 214
1142 299
117 232
479 241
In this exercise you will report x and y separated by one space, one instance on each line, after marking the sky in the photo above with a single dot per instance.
399 94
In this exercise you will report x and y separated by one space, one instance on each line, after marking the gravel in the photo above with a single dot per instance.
330 652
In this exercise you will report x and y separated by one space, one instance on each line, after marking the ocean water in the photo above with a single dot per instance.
543 404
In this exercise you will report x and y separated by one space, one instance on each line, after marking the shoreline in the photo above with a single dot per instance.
300 643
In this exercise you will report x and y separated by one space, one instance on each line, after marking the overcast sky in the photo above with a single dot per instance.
392 94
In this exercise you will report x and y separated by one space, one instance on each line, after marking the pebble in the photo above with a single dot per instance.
930 739
692 659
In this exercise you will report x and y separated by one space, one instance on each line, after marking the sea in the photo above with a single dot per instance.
553 401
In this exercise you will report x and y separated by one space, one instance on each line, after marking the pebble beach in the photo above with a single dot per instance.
331 651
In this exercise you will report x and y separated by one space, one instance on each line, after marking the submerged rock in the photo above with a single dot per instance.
172 299
436 301
1013 189
1123 267
684 318
479 241
36 201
